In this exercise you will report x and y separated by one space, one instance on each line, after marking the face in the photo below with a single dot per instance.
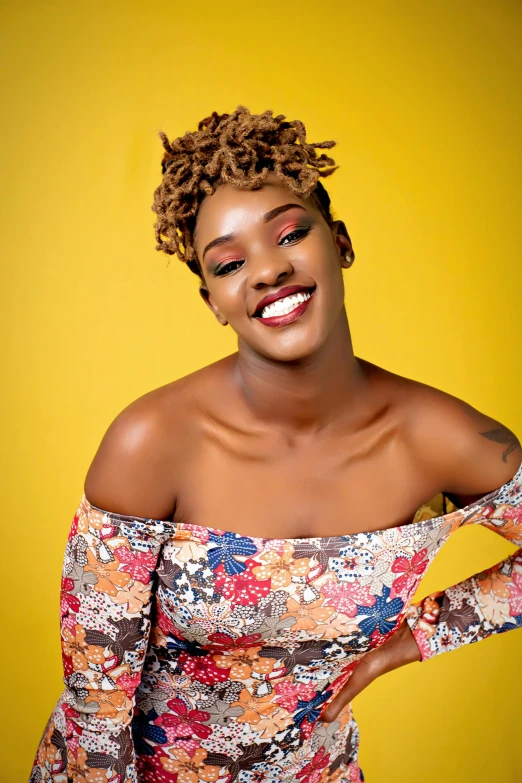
253 245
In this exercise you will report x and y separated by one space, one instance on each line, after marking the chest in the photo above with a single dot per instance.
328 488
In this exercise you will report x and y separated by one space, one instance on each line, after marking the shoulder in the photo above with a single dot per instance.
133 471
469 451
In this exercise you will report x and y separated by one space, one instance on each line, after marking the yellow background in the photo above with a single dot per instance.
424 100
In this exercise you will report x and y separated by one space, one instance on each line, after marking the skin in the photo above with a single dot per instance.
293 435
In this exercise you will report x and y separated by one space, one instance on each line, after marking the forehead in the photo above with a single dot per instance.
231 208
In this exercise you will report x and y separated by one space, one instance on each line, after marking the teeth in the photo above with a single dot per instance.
285 306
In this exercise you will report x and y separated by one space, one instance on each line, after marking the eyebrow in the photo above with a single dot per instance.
271 215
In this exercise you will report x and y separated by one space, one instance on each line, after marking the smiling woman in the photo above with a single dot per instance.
243 236
244 559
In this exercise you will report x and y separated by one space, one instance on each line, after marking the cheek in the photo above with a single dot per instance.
232 298
323 259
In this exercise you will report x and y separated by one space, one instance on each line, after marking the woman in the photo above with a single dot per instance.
243 560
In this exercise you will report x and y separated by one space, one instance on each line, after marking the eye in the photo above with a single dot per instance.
228 267
293 236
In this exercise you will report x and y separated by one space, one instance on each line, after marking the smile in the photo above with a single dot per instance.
285 305
286 310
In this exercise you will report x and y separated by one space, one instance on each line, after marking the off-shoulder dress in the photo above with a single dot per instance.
196 654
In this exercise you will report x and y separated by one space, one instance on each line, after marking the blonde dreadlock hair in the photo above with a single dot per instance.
241 149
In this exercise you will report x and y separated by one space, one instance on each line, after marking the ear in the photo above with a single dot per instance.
205 295
344 243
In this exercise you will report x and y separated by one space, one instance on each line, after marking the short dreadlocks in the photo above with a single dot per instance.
241 149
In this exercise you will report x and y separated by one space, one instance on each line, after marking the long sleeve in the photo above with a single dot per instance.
107 589
487 603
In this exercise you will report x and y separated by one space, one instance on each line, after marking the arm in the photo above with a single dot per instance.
487 603
448 434
483 454
107 590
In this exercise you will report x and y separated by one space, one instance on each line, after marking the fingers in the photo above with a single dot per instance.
334 708
399 650
360 679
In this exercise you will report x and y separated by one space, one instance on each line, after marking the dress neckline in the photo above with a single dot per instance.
188 526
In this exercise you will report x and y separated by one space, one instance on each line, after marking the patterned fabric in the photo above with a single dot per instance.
195 654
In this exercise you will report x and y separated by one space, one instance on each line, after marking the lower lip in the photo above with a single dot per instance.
283 320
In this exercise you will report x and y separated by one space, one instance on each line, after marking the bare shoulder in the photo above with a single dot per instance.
134 469
470 452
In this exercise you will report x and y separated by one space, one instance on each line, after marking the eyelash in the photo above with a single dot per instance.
299 233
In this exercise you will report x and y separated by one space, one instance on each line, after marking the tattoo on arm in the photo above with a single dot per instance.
505 436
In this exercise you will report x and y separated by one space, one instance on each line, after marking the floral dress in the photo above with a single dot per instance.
196 654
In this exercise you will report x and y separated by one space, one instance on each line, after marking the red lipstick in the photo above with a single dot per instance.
283 320
286 291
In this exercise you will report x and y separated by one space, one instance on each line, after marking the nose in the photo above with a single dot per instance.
269 269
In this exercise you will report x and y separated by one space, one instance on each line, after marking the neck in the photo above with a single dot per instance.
306 395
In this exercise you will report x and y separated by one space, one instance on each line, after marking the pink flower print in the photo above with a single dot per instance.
288 694
203 669
421 637
67 584
241 589
167 626
311 773
410 569
305 691
190 746
128 683
74 529
151 768
182 722
69 603
140 566
72 739
269 543
67 663
305 730
346 596
353 771
69 606
514 513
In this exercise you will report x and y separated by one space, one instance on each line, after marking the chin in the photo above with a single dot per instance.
290 347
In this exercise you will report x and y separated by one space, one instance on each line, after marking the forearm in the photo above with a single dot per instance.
484 604
107 590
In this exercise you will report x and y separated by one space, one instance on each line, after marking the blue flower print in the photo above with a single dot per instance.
381 615
226 546
143 729
310 709
190 647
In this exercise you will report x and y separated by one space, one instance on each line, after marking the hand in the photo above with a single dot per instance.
398 650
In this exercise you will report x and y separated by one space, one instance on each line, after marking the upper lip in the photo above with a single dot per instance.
287 291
